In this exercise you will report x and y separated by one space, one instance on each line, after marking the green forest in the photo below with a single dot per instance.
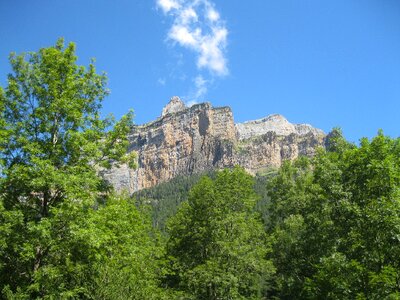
326 227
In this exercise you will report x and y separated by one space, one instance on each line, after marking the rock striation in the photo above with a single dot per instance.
187 140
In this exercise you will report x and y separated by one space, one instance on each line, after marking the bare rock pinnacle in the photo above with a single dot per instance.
173 106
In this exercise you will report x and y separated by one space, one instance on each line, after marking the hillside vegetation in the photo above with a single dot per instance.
326 227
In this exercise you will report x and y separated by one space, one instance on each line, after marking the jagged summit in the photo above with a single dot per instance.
187 140
174 105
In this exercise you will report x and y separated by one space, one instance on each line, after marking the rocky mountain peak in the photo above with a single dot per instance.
174 105
191 140
273 123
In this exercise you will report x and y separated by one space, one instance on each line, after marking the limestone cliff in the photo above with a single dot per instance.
186 140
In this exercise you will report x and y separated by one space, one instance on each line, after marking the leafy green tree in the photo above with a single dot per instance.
164 199
53 142
298 225
216 244
124 250
335 222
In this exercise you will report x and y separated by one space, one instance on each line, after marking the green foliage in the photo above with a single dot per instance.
217 243
165 198
335 142
335 222
53 143
261 181
124 252
330 230
54 137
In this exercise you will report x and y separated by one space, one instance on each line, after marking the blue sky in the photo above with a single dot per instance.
327 63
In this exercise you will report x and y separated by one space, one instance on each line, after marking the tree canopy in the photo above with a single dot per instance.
53 143
217 242
335 222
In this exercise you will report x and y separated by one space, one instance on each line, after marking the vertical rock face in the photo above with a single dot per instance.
186 140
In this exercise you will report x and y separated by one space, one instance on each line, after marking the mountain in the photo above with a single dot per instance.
188 140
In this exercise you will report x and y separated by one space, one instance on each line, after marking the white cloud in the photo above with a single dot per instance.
188 15
212 15
167 5
199 90
198 27
212 55
201 87
183 36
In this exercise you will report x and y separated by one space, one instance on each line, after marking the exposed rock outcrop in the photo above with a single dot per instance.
273 123
186 140
174 105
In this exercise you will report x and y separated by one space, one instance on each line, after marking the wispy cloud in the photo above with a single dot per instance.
167 5
198 91
161 81
201 87
197 26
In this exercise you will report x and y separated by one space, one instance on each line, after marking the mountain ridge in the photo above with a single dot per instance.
187 140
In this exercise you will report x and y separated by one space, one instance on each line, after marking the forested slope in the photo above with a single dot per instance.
164 199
